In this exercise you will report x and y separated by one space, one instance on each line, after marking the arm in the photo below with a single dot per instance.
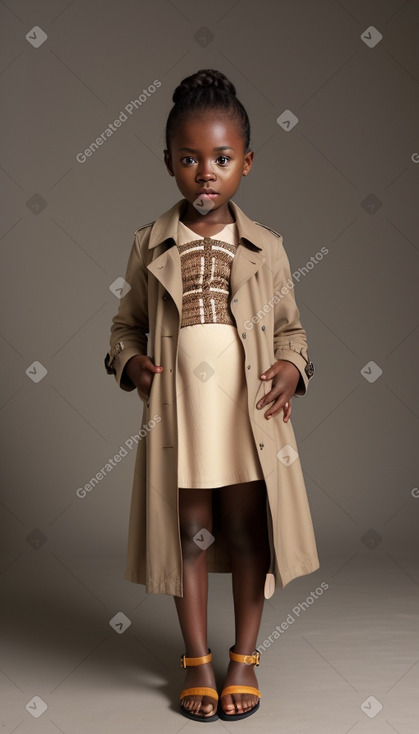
129 329
290 341
292 370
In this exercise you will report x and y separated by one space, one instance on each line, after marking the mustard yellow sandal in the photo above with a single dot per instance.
198 690
248 660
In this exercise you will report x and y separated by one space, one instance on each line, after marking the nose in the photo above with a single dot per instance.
205 172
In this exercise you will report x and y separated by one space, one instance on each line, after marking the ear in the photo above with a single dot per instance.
248 161
168 162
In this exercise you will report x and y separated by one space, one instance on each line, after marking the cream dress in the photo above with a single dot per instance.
216 444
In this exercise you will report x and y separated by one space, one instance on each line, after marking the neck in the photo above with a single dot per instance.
222 215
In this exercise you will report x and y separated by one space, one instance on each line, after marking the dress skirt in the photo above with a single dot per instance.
215 440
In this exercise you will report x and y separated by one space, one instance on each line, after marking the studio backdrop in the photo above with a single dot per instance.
331 89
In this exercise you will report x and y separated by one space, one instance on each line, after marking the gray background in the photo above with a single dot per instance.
345 177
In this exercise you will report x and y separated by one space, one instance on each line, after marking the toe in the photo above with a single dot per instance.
232 704
189 703
199 706
208 706
228 704
251 702
238 703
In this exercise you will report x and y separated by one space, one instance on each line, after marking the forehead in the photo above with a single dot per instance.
207 132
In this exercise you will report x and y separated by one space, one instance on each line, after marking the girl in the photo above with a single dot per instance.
210 335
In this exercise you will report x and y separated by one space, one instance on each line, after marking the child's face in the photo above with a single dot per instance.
208 153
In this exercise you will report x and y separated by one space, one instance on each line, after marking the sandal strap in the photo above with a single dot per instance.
240 689
253 659
199 691
188 662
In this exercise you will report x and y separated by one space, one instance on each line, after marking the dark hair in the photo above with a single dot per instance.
208 89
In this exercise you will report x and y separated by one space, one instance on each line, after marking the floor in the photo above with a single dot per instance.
101 656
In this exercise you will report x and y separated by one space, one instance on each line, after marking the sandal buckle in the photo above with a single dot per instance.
253 659
183 661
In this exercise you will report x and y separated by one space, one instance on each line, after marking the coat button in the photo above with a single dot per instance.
244 335
165 296
248 366
263 328
261 445
236 300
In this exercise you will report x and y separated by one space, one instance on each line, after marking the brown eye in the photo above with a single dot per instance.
223 160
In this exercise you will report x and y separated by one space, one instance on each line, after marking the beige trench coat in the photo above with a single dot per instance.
268 322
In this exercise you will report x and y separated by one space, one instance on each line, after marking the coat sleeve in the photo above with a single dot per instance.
290 340
129 328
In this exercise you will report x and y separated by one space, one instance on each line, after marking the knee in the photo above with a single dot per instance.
194 534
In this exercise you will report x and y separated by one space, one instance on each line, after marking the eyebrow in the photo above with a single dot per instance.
221 147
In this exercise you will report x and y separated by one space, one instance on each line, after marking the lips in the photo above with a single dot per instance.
210 193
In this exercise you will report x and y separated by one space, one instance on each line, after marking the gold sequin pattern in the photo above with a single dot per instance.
206 268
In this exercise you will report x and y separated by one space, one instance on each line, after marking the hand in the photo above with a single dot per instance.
285 377
140 370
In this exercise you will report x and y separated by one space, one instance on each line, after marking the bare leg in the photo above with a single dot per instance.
195 510
244 518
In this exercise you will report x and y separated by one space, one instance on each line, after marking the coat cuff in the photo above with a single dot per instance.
302 363
116 360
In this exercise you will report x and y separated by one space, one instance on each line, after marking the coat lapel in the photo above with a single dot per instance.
167 269
245 264
166 266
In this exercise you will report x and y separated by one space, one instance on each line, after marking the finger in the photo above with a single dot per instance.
273 394
273 410
287 411
271 372
150 366
155 367
265 400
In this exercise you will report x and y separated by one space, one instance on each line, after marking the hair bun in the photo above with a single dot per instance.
204 79
207 92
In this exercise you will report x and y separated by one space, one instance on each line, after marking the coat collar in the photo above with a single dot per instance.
166 226
166 267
